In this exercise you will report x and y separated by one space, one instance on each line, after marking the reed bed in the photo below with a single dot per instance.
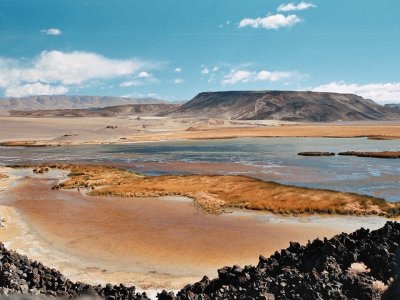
216 193
378 154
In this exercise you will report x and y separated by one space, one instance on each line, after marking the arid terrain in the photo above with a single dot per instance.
166 231
76 131
117 239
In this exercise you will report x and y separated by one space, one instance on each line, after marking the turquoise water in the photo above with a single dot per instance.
265 158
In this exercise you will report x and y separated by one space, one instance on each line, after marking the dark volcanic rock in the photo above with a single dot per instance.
19 275
320 270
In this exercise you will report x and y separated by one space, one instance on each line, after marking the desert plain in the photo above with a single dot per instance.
105 224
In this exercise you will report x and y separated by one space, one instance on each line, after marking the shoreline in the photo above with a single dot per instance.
26 240
216 194
19 235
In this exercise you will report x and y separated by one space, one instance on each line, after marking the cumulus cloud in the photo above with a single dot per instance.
139 79
144 74
292 7
51 31
244 76
205 71
178 80
34 89
53 72
271 22
130 83
237 76
381 92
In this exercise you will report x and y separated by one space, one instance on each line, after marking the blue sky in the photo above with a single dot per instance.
174 49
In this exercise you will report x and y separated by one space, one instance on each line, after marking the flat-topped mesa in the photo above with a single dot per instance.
285 105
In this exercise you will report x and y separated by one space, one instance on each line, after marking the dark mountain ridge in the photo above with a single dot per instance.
295 106
285 105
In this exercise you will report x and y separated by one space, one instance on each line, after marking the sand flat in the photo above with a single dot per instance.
19 131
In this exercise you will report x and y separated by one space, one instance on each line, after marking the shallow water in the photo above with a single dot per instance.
89 238
265 158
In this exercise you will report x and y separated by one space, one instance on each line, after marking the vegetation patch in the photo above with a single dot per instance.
380 154
316 153
215 193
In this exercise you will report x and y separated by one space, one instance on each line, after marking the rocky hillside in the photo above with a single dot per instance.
67 102
120 110
286 105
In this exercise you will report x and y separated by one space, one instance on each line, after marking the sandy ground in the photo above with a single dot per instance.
64 131
152 243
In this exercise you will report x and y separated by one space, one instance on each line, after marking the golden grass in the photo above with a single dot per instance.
3 176
379 154
214 193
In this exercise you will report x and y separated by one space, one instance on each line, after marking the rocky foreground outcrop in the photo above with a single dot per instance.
348 266
359 265
20 275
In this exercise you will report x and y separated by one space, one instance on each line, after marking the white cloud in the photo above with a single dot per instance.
273 76
51 31
54 70
271 22
381 92
178 70
178 80
140 79
244 76
291 6
34 89
237 76
144 74
130 83
205 71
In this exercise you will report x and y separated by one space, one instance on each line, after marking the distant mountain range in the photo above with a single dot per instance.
110 111
68 102
393 105
234 105
285 105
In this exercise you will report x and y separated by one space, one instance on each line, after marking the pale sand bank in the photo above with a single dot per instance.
151 243
16 131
